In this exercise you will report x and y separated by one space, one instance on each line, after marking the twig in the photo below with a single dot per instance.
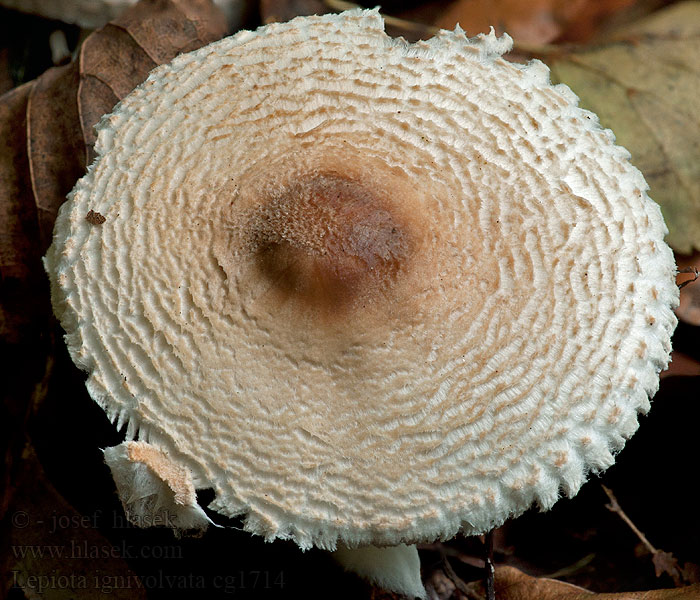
457 580
664 562
490 574
616 508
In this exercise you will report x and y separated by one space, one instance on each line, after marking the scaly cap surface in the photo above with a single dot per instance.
367 291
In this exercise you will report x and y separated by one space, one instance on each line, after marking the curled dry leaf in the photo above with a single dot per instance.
681 364
54 145
18 223
644 85
689 308
114 60
283 10
95 13
47 134
512 584
45 142
537 21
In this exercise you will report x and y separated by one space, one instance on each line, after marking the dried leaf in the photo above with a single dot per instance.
689 309
22 286
537 21
283 10
644 86
512 584
681 364
55 146
666 563
115 59
595 18
47 135
18 222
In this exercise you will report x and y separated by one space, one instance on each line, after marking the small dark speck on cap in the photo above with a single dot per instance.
95 218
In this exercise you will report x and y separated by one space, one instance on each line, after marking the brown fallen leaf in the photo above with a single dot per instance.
91 14
513 584
18 223
54 145
597 18
46 137
272 11
681 364
689 308
22 289
47 133
115 59
536 21
644 85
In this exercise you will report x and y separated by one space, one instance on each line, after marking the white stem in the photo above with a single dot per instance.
395 568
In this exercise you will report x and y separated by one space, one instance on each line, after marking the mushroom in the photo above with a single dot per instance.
371 293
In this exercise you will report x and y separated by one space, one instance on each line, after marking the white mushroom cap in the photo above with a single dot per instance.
367 291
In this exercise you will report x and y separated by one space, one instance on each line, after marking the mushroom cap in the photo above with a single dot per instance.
166 494
368 291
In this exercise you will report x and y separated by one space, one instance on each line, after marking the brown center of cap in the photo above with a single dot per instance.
328 242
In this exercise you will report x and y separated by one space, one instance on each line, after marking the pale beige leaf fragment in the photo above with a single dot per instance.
644 85
512 584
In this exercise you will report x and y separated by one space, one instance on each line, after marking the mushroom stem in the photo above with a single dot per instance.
395 568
